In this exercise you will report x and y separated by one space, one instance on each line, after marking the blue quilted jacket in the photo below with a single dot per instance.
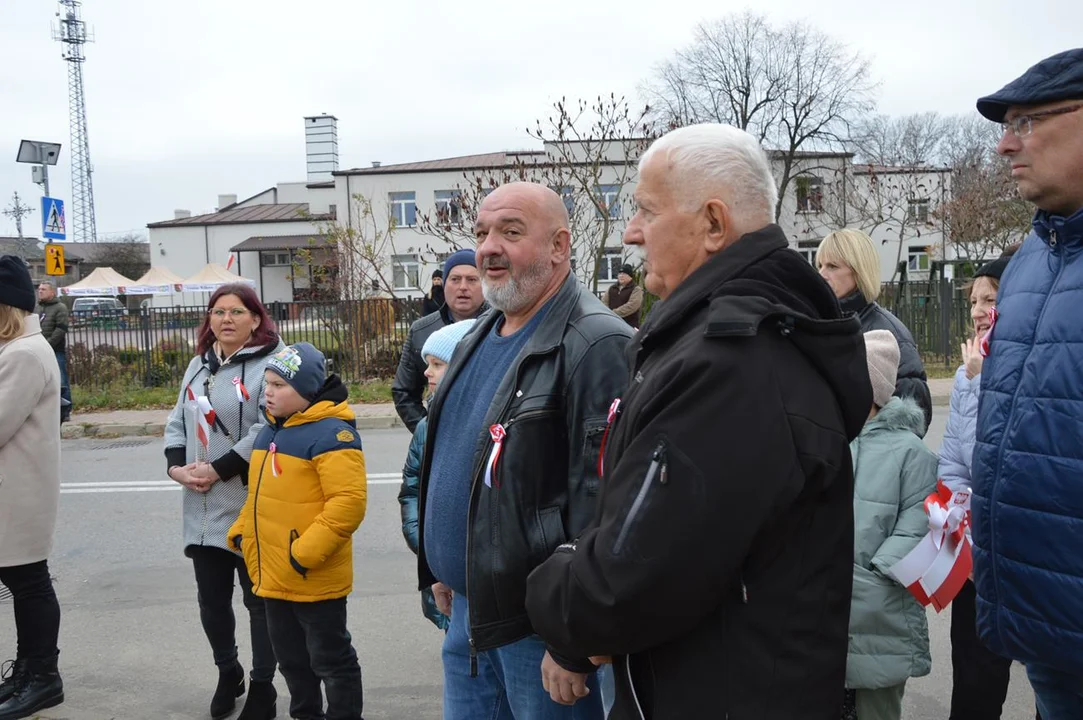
1028 458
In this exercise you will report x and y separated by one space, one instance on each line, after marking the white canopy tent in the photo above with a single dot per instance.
103 281
156 281
212 277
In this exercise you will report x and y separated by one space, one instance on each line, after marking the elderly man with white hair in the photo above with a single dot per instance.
717 573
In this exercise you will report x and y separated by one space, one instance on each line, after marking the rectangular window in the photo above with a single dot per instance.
807 249
270 258
403 208
609 196
405 272
810 194
919 210
918 258
449 207
567 194
610 265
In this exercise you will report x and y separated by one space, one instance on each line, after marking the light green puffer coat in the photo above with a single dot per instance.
893 474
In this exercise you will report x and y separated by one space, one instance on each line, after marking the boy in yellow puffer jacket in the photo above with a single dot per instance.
306 497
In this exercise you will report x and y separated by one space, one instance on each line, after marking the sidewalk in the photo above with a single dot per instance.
122 423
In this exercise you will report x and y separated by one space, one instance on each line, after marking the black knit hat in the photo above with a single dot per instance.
993 269
628 270
16 287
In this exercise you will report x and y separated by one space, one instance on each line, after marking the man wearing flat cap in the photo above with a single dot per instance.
462 300
1028 458
626 297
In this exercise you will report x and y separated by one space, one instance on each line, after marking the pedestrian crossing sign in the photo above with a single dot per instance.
54 260
52 218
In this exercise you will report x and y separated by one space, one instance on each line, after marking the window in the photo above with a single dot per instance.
918 258
610 198
609 267
566 194
403 208
274 259
810 194
919 210
807 249
449 207
405 271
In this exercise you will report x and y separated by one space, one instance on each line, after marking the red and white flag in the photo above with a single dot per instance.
229 262
934 572
242 391
205 418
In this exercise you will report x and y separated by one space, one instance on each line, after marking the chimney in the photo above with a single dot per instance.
375 163
181 214
321 146
225 201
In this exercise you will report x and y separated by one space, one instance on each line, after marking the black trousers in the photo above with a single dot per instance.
313 645
979 676
215 570
37 612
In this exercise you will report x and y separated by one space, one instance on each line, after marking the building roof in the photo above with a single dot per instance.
280 242
870 169
25 248
284 212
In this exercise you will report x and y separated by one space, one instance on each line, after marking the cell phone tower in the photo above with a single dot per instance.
72 31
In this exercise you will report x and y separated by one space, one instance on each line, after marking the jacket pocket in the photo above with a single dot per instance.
552 529
301 569
657 474
593 435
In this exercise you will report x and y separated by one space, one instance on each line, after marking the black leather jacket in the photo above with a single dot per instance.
554 405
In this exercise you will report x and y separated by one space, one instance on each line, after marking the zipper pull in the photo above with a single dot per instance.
473 659
663 464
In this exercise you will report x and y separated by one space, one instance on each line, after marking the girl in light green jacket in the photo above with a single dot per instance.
893 474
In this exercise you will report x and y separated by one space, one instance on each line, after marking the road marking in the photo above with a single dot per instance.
117 486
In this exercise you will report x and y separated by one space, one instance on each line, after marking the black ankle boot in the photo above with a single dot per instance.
260 703
41 688
230 687
13 674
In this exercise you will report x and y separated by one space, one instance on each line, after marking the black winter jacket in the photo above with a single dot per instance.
912 381
553 404
718 570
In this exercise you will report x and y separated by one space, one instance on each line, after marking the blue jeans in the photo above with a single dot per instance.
608 687
508 685
1059 694
65 388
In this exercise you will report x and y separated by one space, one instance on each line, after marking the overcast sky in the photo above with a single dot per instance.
190 99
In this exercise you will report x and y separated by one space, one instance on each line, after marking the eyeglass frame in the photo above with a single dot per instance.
1015 125
220 314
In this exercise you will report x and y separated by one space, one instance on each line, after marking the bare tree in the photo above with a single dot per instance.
350 262
792 86
128 254
590 154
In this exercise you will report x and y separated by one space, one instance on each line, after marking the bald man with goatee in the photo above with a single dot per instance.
511 464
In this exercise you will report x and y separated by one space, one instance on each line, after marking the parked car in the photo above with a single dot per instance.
89 309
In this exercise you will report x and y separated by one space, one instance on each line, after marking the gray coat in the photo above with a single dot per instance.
207 516
893 474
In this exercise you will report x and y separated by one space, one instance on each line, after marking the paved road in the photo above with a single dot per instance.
131 644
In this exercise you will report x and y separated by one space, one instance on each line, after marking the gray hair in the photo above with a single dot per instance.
714 160
50 283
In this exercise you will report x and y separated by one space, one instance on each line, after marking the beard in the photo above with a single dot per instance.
519 290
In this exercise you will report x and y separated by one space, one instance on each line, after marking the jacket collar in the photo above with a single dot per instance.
32 326
1069 230
445 313
855 302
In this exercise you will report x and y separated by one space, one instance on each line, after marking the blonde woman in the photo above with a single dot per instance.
29 494
848 261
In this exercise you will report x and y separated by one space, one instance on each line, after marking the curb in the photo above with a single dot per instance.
72 431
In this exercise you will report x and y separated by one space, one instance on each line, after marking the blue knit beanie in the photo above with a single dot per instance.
441 344
302 366
466 256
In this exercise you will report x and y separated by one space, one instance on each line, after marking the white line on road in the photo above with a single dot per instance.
83 488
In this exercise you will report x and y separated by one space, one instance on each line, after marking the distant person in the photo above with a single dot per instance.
437 353
848 261
463 300
54 326
29 494
307 495
626 297
435 299
1028 456
235 341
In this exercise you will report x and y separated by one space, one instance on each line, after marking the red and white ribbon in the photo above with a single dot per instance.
242 391
276 470
613 410
205 418
498 434
934 572
983 346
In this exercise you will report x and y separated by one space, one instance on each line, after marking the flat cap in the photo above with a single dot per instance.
1059 77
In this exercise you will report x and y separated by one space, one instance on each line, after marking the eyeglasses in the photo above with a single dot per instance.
219 313
1024 124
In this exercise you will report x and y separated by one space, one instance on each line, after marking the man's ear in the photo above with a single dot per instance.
719 226
562 245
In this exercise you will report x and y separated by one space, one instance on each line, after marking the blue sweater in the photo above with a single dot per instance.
459 437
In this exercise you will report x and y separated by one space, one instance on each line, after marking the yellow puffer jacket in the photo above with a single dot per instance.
306 497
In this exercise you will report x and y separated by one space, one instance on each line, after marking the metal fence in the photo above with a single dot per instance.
937 314
152 347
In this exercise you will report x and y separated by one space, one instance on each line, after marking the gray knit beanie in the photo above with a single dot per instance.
882 353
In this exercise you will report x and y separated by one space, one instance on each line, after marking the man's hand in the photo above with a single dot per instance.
563 686
600 660
443 594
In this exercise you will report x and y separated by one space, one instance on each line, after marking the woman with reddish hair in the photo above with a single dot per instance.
207 453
